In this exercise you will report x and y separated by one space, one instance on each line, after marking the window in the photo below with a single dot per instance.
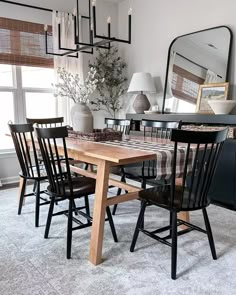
24 92
6 114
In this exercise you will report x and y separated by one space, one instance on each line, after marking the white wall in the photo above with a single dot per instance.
157 22
8 162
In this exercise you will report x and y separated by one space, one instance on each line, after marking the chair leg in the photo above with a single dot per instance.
114 208
143 183
170 223
49 219
174 245
87 208
74 206
112 226
119 190
37 204
209 234
138 225
35 186
143 186
22 194
69 230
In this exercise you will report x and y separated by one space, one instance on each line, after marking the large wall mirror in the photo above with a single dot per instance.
197 58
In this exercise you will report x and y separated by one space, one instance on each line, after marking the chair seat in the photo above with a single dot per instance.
161 196
81 186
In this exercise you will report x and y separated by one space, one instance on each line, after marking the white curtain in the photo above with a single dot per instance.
212 77
70 64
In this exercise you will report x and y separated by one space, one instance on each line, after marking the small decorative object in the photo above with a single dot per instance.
70 86
97 135
111 81
140 83
207 92
223 107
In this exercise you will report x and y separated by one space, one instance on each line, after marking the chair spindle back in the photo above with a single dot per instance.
122 125
23 139
199 151
46 122
52 142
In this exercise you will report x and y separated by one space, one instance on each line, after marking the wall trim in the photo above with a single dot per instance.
9 180
7 154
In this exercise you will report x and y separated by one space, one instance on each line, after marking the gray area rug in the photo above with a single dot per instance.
30 264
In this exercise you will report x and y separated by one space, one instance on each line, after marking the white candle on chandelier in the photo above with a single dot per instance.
94 3
58 19
109 20
130 11
45 28
74 11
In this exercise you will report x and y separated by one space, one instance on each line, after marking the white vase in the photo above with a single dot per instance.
81 118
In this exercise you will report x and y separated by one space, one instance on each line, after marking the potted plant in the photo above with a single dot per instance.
70 86
111 81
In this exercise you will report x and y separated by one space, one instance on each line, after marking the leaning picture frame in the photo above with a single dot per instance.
214 91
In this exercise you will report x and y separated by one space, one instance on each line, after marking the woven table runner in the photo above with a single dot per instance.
164 153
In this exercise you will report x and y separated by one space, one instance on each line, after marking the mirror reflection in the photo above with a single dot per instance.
194 59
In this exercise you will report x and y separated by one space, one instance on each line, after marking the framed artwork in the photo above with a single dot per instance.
215 91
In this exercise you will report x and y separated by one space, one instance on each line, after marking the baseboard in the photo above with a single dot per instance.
9 180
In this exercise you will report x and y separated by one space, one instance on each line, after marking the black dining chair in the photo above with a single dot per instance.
46 122
199 160
31 168
122 125
63 186
145 172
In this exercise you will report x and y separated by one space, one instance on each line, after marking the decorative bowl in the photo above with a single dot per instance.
222 106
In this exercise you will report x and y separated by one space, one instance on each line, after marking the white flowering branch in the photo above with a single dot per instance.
70 86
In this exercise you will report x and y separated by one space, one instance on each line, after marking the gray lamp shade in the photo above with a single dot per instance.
142 82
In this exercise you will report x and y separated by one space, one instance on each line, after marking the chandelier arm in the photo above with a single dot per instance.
112 38
83 49
58 54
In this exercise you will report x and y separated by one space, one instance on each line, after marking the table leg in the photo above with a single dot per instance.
21 181
184 215
99 211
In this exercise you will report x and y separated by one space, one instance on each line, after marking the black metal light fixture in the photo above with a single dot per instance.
87 47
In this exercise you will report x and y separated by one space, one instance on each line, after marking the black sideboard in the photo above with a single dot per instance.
208 119
223 188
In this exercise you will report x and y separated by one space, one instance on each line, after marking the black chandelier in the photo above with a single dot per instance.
84 47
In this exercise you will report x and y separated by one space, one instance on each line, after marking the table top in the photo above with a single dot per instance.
113 154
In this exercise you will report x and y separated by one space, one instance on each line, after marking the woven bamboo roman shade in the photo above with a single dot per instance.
23 43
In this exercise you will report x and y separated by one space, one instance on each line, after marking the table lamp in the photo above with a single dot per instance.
140 83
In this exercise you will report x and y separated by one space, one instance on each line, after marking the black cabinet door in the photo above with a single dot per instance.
223 187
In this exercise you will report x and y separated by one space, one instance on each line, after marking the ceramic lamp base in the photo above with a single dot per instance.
141 104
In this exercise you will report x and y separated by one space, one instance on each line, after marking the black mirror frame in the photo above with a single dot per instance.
169 51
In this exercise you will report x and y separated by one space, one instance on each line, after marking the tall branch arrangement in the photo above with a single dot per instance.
111 85
70 85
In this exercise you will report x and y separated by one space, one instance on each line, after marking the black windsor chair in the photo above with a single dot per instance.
31 168
62 186
202 151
